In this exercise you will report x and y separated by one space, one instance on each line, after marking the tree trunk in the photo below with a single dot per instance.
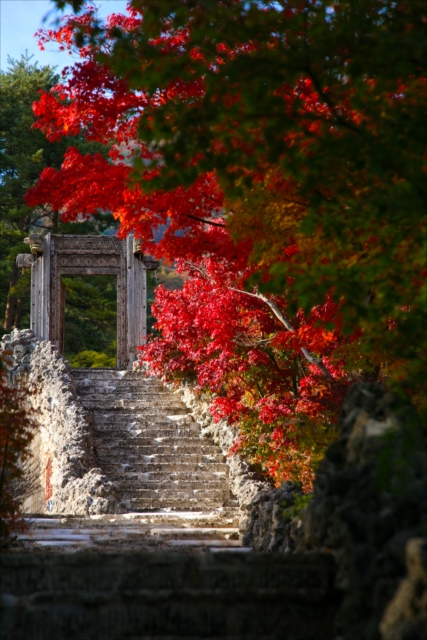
55 219
11 300
18 315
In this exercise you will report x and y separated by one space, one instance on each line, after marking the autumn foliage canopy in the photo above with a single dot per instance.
254 144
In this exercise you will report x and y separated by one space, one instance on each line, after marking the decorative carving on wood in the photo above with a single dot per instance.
90 255
88 260
97 244
36 242
24 260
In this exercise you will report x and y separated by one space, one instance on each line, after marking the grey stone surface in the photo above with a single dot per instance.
187 532
406 614
149 445
270 517
69 477
113 441
135 596
370 499
244 482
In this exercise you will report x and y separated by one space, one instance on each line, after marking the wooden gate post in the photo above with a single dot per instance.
69 255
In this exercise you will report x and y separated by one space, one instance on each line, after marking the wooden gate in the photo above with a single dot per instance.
67 255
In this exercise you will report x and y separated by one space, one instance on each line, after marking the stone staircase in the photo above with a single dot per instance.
149 446
188 532
171 483
167 596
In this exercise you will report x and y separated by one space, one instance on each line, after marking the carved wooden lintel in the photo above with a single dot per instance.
67 255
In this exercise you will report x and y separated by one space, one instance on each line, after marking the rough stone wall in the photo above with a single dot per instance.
405 616
369 510
166 596
68 482
244 483
370 500
270 519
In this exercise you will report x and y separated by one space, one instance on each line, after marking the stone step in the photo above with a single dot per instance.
147 442
197 542
140 437
137 439
136 446
109 422
217 517
141 396
118 532
171 446
165 596
108 374
166 468
117 383
111 402
180 451
140 392
170 487
124 417
139 466
163 503
178 499
217 498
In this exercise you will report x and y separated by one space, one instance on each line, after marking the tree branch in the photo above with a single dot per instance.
317 362
215 224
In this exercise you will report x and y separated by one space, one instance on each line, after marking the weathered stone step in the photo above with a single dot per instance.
138 465
137 439
218 517
173 470
132 455
177 453
166 468
108 374
146 499
119 383
139 435
112 402
190 504
144 394
167 596
108 421
170 446
166 532
137 445
85 380
164 495
172 485
147 442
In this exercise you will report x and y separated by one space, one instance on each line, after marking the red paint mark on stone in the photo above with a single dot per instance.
48 488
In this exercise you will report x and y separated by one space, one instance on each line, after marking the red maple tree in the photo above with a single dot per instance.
273 370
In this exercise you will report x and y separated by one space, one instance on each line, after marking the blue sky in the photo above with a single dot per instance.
20 19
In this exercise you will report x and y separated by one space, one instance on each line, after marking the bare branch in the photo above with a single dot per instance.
215 224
